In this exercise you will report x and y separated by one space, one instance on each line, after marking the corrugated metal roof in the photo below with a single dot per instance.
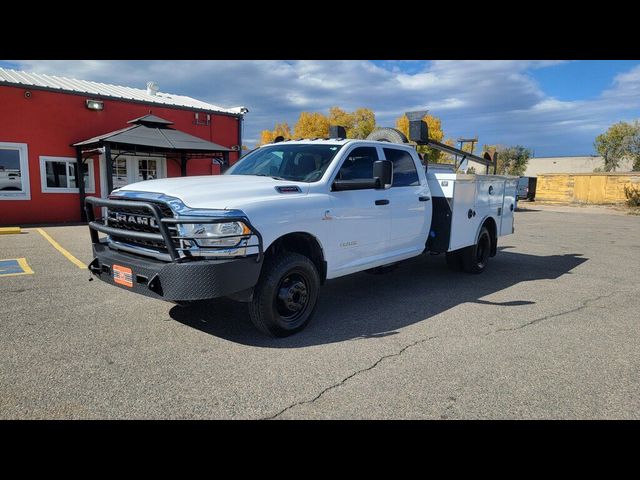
41 80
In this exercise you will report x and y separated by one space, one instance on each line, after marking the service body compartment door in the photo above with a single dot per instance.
490 192
464 224
508 206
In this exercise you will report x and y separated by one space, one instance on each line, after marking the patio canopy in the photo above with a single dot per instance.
147 135
152 134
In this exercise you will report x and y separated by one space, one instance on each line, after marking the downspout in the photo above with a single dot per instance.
240 125
80 183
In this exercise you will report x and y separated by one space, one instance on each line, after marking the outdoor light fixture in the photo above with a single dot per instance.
95 105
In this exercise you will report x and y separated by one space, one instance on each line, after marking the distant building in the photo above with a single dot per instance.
582 164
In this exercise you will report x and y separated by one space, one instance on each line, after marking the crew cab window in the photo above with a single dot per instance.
404 168
359 164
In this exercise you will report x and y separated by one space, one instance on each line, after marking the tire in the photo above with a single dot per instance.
475 257
388 135
454 260
284 300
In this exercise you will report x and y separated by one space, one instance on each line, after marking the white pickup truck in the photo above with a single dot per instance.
289 216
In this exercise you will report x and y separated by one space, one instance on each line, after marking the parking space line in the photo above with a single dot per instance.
10 264
59 247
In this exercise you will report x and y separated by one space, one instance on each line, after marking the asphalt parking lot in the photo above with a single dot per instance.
551 330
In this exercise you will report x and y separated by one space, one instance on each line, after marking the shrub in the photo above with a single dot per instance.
633 195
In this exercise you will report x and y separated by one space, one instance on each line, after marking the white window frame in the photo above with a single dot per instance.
91 184
25 194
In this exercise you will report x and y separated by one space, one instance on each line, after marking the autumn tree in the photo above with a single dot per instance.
311 125
358 123
434 125
621 140
281 129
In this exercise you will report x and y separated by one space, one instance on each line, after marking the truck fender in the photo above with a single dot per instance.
493 232
304 243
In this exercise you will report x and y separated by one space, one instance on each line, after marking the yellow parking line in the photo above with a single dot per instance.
59 247
24 265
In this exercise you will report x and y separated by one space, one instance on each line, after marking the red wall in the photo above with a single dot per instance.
49 122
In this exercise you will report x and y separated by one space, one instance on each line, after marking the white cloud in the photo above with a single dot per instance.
498 100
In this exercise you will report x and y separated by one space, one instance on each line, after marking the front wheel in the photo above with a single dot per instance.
284 299
475 257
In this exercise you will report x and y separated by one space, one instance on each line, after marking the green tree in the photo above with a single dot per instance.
434 125
512 160
621 140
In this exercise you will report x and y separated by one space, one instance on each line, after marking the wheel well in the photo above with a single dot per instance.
490 223
304 244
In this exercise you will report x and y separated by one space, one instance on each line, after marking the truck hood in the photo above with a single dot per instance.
216 191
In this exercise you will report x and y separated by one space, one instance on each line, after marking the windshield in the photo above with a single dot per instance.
300 163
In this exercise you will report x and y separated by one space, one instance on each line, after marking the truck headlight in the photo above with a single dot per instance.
213 234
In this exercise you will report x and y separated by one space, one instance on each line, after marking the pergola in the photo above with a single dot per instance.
145 136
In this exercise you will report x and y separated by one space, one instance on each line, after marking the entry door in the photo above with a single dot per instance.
130 169
360 219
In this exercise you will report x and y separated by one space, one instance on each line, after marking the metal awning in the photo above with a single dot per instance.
146 135
153 133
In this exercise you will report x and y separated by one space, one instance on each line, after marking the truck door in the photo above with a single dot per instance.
410 204
360 219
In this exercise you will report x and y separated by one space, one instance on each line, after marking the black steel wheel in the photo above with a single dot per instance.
475 257
284 299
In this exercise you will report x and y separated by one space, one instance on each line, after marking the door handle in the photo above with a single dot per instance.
382 202
424 198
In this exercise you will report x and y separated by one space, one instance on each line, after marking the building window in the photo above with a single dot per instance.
58 175
120 175
14 171
147 170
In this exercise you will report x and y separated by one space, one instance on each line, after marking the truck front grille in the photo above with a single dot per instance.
138 219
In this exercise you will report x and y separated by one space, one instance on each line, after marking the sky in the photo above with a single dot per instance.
553 107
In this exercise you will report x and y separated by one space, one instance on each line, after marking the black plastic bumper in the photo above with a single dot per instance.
177 281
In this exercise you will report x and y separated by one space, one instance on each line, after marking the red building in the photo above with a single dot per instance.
47 123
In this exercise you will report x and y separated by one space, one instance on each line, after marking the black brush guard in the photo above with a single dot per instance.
182 279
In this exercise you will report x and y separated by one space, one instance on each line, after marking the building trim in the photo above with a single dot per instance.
90 188
25 194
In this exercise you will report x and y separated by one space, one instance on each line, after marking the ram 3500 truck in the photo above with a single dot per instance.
291 215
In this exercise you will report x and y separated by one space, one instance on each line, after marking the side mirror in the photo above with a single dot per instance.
382 176
383 173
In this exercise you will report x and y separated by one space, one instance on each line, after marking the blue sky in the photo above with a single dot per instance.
553 107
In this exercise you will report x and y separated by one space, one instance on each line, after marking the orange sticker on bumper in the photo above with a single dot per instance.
122 275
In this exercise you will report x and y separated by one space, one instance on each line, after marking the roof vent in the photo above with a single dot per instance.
152 88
